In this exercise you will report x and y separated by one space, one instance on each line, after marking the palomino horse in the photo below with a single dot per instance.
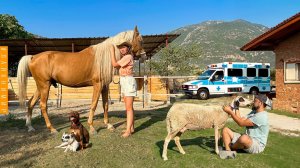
89 67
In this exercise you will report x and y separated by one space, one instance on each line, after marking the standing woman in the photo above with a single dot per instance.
127 82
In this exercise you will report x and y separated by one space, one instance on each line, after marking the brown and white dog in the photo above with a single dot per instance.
80 132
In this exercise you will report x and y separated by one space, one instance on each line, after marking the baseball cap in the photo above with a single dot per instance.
263 98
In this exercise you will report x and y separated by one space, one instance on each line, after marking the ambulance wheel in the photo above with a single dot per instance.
203 94
253 91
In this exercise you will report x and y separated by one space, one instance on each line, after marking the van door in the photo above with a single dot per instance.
234 80
217 84
264 79
250 79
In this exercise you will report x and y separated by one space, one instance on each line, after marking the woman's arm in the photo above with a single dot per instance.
113 57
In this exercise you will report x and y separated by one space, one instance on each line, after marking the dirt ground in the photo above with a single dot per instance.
278 123
82 106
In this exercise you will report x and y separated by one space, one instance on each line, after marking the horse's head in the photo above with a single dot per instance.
137 45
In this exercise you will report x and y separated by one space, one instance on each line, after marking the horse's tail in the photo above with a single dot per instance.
23 73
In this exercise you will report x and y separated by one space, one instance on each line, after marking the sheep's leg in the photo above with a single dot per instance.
216 139
167 140
177 142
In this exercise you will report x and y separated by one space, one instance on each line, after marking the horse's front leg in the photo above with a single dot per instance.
44 88
105 108
96 94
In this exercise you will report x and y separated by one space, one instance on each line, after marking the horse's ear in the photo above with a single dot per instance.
136 31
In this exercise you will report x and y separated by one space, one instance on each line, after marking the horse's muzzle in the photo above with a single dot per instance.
143 57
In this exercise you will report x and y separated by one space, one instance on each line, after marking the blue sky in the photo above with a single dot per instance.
91 18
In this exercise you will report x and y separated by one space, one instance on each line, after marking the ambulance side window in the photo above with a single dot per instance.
218 75
263 72
251 72
234 72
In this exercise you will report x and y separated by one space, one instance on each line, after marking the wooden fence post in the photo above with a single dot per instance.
145 92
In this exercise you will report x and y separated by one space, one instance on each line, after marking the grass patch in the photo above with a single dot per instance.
285 113
142 149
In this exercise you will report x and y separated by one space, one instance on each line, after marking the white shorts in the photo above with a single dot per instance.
128 86
255 147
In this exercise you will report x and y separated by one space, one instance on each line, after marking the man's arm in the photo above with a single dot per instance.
236 117
113 57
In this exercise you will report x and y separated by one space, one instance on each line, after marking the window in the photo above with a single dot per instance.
205 75
292 73
235 72
251 72
263 72
218 75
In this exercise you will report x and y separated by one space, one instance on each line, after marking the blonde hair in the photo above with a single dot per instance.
103 55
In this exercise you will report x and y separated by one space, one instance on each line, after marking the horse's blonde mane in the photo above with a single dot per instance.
103 56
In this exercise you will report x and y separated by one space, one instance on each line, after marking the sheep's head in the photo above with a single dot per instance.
240 101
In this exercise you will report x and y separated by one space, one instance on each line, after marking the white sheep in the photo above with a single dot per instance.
186 116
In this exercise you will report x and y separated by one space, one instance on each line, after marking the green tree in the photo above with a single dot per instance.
273 74
176 60
11 29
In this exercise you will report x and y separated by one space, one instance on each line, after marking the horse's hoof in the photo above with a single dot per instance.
110 127
31 129
93 131
165 158
53 131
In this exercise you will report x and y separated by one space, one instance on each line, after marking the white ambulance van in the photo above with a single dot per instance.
229 78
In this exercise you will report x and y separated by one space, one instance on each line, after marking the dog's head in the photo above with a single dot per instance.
74 117
66 137
240 101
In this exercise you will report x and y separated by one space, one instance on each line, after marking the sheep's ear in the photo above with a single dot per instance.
241 99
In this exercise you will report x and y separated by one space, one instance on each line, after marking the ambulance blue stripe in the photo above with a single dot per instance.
239 66
258 66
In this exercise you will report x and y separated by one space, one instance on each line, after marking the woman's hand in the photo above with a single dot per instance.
227 109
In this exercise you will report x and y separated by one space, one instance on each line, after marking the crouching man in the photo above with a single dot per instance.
257 129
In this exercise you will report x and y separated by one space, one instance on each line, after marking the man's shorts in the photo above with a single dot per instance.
256 147
128 86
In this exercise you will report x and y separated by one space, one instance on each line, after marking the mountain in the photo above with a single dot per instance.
221 41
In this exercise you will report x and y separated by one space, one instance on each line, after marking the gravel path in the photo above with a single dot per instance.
278 123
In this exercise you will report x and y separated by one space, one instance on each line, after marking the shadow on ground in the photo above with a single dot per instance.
206 143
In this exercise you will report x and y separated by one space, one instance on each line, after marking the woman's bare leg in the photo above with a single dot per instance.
130 116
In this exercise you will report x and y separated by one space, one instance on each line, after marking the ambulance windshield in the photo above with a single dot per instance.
206 74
